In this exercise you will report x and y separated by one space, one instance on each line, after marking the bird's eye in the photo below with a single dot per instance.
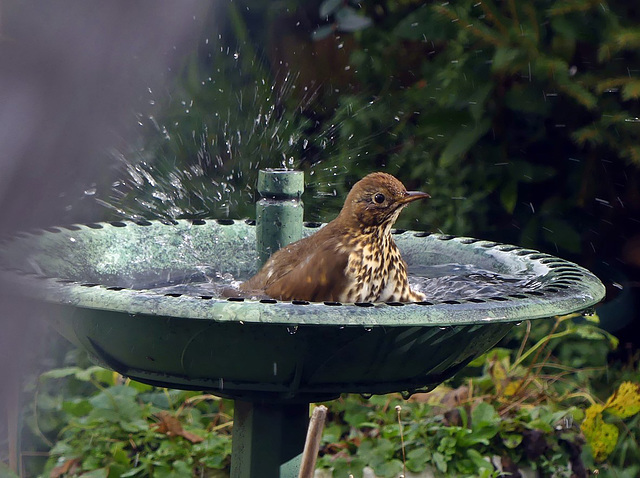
379 198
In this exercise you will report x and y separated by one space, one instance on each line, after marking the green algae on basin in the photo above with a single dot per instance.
106 281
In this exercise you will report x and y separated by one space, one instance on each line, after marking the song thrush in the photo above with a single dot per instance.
351 259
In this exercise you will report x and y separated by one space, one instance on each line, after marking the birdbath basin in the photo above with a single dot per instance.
144 300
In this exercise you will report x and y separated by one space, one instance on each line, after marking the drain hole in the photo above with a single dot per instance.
225 222
198 222
94 225
268 301
312 224
525 252
300 302
235 299
250 222
333 303
118 224
422 234
143 222
173 295
364 304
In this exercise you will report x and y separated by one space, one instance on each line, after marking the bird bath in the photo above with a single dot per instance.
106 286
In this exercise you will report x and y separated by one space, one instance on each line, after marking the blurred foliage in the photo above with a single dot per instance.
521 120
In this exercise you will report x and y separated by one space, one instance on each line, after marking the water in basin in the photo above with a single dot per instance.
438 282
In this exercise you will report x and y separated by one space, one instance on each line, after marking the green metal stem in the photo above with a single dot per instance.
279 213
268 439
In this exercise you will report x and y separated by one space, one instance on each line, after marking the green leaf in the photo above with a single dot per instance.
504 58
418 458
478 100
561 233
133 472
440 461
463 141
388 469
484 415
348 20
509 196
328 7
77 407
322 32
511 440
99 473
631 90
478 460
61 372
86 375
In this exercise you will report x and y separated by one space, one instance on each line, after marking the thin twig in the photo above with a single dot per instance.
524 341
404 458
312 443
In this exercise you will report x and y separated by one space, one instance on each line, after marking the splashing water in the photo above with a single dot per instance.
202 147
202 158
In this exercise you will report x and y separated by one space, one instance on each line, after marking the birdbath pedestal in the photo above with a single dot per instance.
143 299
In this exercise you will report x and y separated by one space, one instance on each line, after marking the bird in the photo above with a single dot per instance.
353 259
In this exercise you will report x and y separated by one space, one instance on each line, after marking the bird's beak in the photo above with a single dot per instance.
413 196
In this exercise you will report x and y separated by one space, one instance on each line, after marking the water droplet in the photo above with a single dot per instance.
90 192
406 394
368 329
292 329
221 383
275 369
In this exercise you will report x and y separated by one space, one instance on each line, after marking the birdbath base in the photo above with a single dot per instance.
268 439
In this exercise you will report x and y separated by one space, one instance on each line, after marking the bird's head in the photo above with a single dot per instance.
376 201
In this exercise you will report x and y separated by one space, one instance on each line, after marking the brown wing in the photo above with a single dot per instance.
320 278
310 269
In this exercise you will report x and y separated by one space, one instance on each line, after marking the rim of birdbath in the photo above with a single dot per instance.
42 263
